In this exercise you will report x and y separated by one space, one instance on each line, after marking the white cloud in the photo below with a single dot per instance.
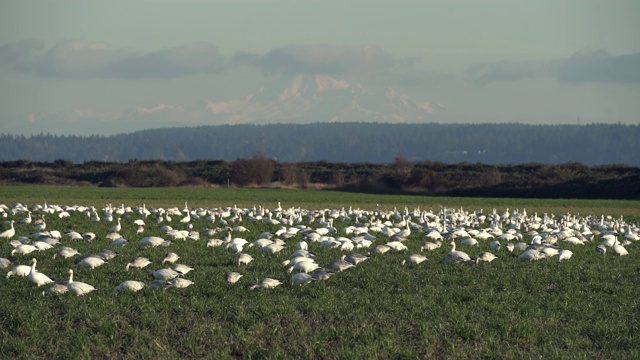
319 59
599 66
78 58
587 65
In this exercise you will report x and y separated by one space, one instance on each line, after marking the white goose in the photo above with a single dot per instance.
267 283
456 256
78 288
153 241
182 269
397 245
165 274
531 255
23 249
116 228
304 266
19 270
36 277
8 234
170 257
91 261
340 264
565 254
430 246
356 258
65 252
129 285
180 283
322 274
243 258
486 256
301 278
619 249
138 262
414 259
232 277
57 288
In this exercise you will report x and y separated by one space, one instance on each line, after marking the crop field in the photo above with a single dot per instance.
585 306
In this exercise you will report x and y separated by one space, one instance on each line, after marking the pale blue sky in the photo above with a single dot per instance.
540 61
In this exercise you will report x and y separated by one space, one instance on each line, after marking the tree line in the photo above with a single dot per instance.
530 180
379 143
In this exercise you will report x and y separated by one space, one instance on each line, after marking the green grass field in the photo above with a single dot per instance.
586 307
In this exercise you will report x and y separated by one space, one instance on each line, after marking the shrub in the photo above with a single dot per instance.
256 170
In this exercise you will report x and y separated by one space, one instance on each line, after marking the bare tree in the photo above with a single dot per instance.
255 170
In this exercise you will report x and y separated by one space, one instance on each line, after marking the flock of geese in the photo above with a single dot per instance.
364 233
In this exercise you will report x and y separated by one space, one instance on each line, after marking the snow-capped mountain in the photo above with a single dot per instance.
320 98
301 99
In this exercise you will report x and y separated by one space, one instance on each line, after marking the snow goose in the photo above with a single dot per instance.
322 274
170 257
261 242
509 247
129 285
565 254
267 283
42 246
57 288
531 255
243 258
180 283
456 256
182 269
379 249
23 249
232 277
237 244
88 236
469 241
340 264
107 254
78 288
9 233
272 248
214 242
19 270
91 261
301 278
304 266
66 252
36 277
138 263
486 256
294 260
159 284
119 242
396 245
414 259
356 258
153 241
165 274
430 246
116 228
619 249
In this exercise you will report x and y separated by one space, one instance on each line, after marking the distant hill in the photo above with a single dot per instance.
595 144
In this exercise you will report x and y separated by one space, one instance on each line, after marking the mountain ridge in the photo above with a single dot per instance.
297 99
